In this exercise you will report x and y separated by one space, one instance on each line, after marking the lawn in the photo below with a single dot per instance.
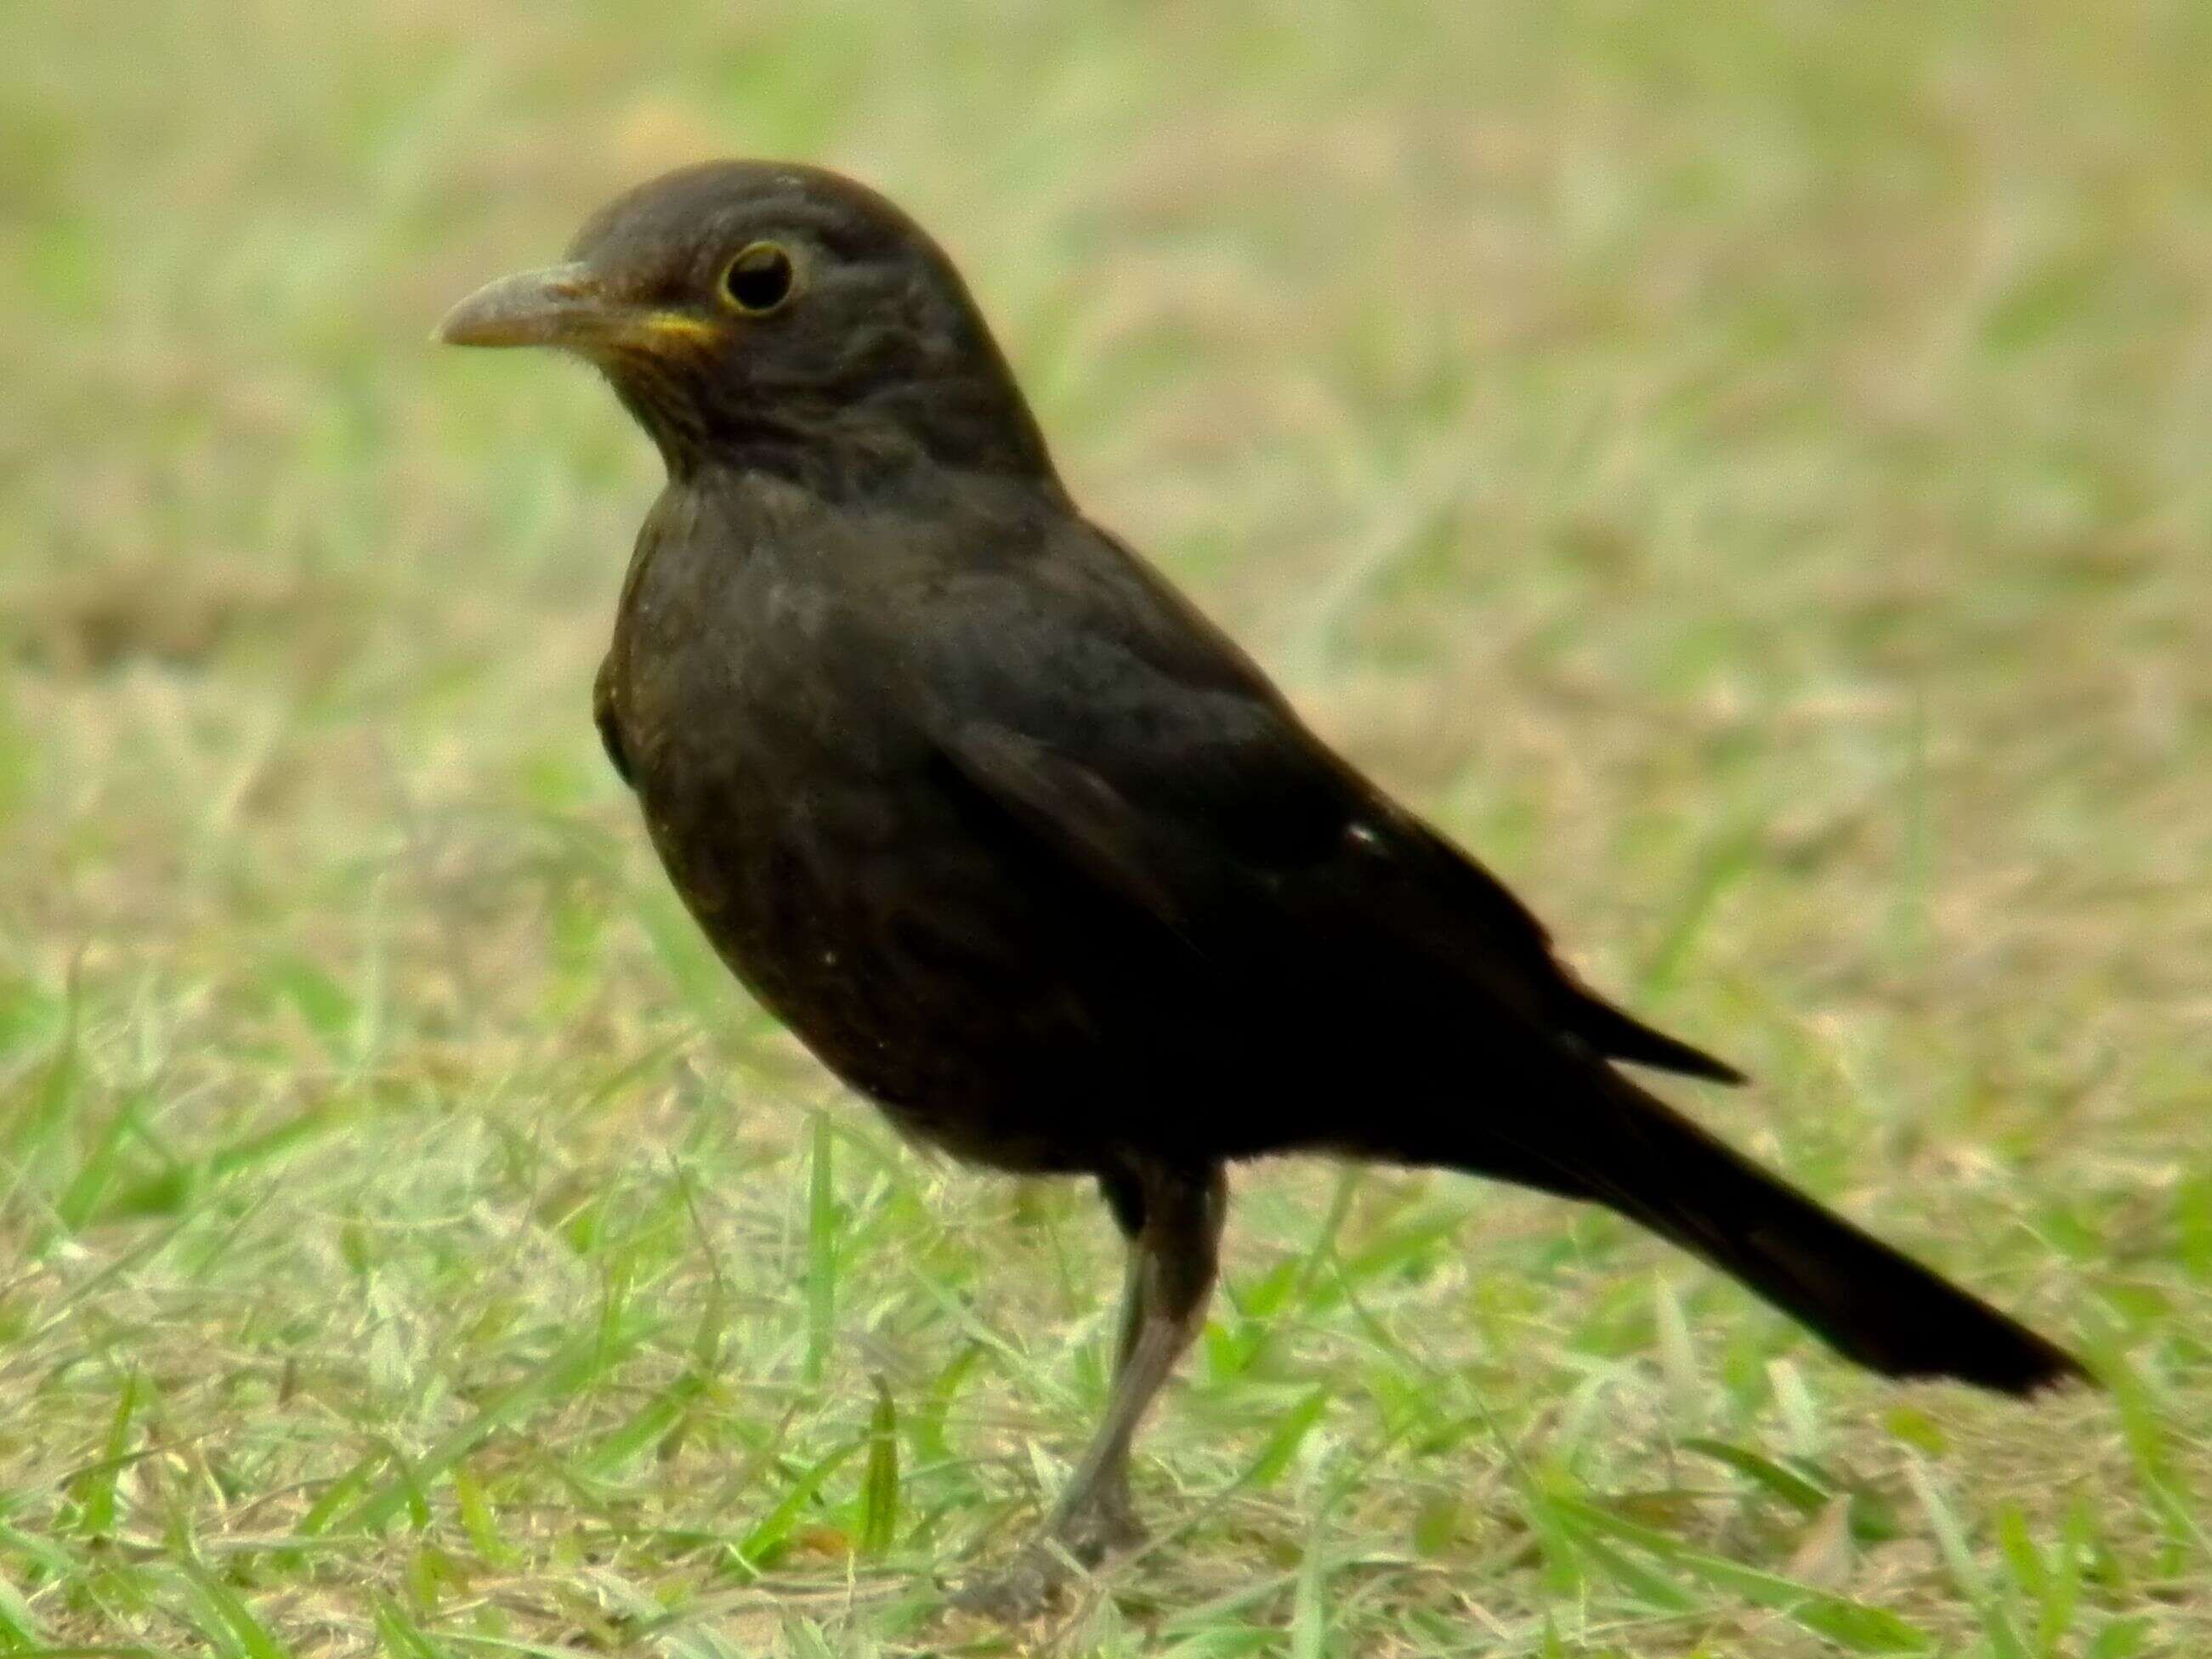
1742 468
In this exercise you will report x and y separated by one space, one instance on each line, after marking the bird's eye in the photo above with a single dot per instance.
759 279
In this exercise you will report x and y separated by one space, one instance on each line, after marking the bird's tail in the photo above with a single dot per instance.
1870 1303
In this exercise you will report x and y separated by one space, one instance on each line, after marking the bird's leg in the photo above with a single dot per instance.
1125 1200
1173 1255
1110 1522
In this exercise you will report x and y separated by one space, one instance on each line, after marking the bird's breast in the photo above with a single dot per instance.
801 815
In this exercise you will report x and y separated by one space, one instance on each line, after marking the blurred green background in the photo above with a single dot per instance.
1742 468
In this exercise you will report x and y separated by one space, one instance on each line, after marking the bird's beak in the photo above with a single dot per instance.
560 305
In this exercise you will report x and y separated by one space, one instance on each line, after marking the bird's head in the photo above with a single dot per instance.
770 314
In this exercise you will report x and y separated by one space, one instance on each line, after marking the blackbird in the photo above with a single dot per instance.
1035 859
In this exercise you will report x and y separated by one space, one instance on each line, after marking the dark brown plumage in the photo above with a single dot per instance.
1032 856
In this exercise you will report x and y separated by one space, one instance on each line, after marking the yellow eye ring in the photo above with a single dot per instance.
759 280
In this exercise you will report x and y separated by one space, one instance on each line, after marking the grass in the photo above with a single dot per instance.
1740 467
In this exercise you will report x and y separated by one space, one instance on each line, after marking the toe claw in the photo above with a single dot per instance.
1021 1591
1029 1584
1094 1536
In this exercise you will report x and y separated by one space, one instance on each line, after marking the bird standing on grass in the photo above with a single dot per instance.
1034 857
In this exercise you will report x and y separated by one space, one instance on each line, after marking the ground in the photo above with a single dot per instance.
1742 468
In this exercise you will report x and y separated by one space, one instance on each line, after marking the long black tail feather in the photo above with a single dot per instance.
1870 1303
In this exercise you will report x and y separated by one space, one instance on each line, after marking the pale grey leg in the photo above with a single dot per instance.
1174 1254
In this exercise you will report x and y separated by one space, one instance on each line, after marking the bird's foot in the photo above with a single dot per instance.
1027 1585
1021 1590
1106 1527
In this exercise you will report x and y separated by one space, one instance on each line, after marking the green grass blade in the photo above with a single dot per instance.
879 1484
96 1487
224 1618
571 1368
645 1428
1853 1624
400 1638
759 1544
340 1493
1287 1436
821 1249
19 1624
1792 1489
1959 1558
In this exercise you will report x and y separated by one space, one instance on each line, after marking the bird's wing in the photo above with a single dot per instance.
1136 744
604 717
1078 814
